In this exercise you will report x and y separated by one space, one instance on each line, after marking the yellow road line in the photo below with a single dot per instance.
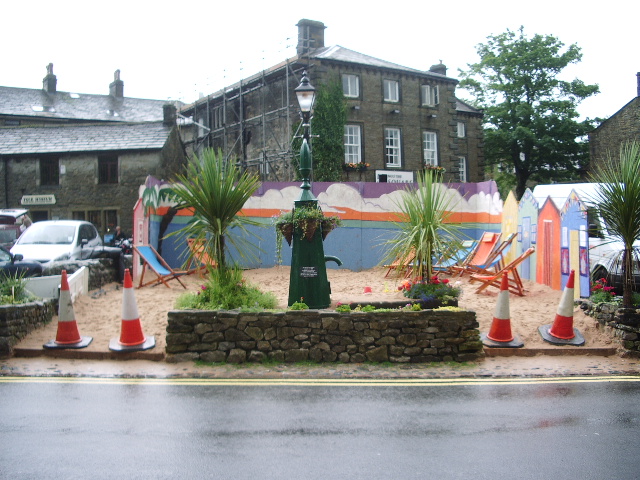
365 382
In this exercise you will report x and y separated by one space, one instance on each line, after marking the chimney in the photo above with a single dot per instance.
310 36
638 77
169 115
116 88
440 68
50 82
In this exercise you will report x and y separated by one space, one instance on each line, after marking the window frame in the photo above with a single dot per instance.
108 169
356 155
430 95
396 154
461 130
49 171
433 150
391 90
463 170
347 85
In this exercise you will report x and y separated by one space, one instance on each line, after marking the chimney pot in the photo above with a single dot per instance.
310 36
169 113
440 68
50 82
116 88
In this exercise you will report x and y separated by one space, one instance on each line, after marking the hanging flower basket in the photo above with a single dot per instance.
286 230
328 225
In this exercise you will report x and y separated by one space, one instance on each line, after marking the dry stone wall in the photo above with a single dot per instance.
16 321
323 336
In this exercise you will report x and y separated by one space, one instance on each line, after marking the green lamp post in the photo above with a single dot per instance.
308 279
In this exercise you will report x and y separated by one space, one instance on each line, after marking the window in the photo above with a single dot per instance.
430 95
104 220
461 130
462 169
351 86
352 144
49 171
107 169
430 148
391 91
392 147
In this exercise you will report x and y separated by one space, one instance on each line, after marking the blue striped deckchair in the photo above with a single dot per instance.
164 273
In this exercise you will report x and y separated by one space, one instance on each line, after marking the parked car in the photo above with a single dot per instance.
12 265
59 240
13 221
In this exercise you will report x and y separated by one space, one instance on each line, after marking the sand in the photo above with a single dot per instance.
99 313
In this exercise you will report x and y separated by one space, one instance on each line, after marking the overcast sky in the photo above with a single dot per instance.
179 50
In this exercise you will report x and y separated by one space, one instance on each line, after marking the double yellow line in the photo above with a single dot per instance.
319 382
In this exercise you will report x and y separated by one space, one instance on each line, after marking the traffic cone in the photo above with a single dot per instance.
500 333
131 337
562 331
67 335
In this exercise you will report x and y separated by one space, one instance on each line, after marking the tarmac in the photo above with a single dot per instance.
513 363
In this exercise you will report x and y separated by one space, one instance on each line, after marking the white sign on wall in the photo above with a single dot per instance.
393 176
38 200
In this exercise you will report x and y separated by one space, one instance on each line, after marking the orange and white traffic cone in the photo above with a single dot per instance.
562 331
131 336
500 333
67 335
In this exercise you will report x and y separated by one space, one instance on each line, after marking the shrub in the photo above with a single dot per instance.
12 290
435 290
601 292
227 290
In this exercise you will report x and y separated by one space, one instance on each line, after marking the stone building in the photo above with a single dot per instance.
77 156
621 127
398 118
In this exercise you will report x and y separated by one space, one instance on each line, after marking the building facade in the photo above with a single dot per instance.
76 156
399 119
621 127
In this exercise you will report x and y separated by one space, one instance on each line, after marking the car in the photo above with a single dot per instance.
58 240
12 265
13 221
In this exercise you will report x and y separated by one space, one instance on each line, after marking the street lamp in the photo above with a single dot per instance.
306 97
308 278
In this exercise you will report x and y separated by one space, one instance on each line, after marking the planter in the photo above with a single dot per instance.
286 229
327 227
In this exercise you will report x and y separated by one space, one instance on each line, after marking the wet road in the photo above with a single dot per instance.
110 428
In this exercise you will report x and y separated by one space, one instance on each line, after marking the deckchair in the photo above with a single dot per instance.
200 257
495 261
459 258
157 265
495 279
482 254
402 264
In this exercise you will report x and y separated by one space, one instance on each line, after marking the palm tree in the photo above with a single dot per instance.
618 198
216 191
423 227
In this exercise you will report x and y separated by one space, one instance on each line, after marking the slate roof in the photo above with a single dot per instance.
83 138
466 108
342 54
20 102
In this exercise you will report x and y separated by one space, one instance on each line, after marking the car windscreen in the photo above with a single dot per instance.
48 235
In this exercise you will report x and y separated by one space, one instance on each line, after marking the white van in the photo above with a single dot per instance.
604 249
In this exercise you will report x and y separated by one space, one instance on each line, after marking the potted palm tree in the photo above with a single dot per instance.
617 197
423 229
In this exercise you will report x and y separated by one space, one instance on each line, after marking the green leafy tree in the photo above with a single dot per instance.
329 118
531 125
618 198
216 190
423 227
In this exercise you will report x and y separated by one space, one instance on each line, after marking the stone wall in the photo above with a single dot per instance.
323 336
16 321
622 323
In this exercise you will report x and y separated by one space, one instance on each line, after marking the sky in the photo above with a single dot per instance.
182 50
